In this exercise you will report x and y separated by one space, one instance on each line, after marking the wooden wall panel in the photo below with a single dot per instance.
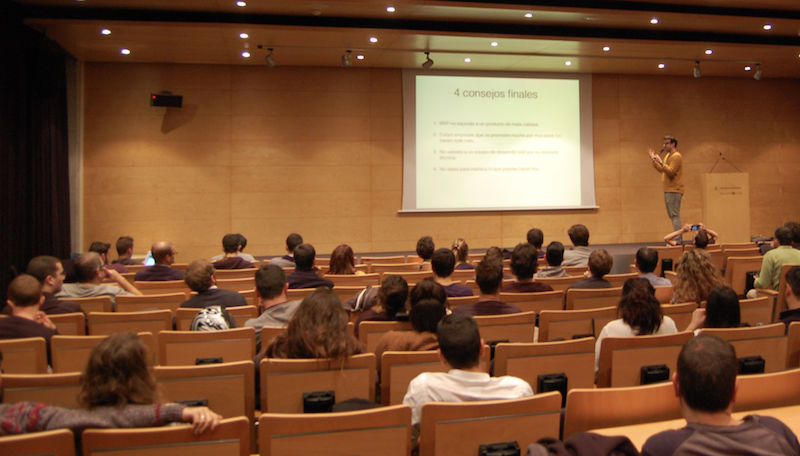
319 151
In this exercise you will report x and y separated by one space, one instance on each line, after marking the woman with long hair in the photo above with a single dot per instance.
640 315
696 277
461 251
342 261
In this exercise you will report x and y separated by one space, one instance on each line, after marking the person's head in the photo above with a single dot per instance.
461 250
489 275
696 275
163 252
318 329
639 307
270 281
117 374
706 374
722 309
292 241
443 262
428 288
425 247
393 295
535 238
343 260
646 259
101 248
783 235
242 241
199 275
793 287
49 271
87 268
304 255
579 235
524 261
24 291
795 228
459 340
701 239
554 255
124 246
670 143
425 314
230 243
600 263
494 252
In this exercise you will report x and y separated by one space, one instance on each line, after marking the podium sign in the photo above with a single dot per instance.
726 205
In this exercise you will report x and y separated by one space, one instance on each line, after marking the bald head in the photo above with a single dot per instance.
86 267
163 252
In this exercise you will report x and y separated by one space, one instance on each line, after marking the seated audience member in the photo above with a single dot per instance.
392 297
26 320
554 257
640 315
696 275
424 316
702 236
443 263
489 276
231 258
50 273
706 384
305 274
494 252
783 253
287 261
343 261
646 262
578 255
460 349
101 248
164 256
461 251
25 417
523 265
600 264
535 237
425 248
318 329
721 311
427 288
125 251
241 244
792 295
276 309
90 273
795 229
199 277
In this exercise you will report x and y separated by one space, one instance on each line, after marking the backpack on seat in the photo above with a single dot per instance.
212 318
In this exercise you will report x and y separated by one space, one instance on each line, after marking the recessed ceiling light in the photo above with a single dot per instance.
373 39
661 66
767 26
654 21
709 51
467 60
360 57
568 63
494 43
244 36
529 15
606 48
241 4
390 9
246 54
748 68
105 31
125 51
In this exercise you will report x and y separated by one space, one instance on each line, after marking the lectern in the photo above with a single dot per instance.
726 205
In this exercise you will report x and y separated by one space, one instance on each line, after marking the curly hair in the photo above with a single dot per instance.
317 330
342 260
639 307
460 250
696 277
117 374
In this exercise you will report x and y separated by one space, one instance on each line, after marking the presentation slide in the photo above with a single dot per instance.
489 142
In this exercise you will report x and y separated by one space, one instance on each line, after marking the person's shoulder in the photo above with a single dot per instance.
666 442
523 388
777 426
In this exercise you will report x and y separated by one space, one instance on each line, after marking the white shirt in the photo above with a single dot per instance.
461 386
618 328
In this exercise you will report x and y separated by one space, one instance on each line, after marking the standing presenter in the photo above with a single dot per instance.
669 163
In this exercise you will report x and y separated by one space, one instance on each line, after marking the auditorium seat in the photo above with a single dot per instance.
667 252
737 269
353 280
225 274
619 279
568 324
245 284
394 259
92 304
162 286
59 390
107 323
768 341
60 442
774 389
559 283
240 314
182 348
393 267
70 324
535 302
739 253
576 270
455 301
681 313
756 311
298 293
516 327
621 358
160 301
70 353
592 298
24 356
412 277
529 361
369 332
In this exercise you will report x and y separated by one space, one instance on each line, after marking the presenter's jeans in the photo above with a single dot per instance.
673 202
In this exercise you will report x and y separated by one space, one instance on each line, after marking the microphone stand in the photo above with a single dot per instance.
722 157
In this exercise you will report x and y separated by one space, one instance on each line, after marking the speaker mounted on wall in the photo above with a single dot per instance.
167 100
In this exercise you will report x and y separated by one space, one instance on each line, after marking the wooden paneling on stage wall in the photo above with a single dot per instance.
319 151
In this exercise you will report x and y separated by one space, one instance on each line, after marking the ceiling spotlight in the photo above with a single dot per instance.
767 26
696 69
654 21
748 68
246 54
244 36
568 63
606 48
270 59
757 74
390 9
709 51
661 66
373 39
494 44
346 62
125 51
467 60
529 15
428 63
105 31
241 4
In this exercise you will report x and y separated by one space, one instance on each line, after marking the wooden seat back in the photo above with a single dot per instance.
619 279
24 356
582 299
60 442
70 324
574 358
535 302
369 332
742 253
768 341
566 324
756 311
737 269
182 348
152 321
70 353
245 284
239 314
92 304
394 268
621 358
680 313
161 301
412 277
245 273
455 301
353 280
774 389
516 327
393 259
559 283
672 252
59 390
161 286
